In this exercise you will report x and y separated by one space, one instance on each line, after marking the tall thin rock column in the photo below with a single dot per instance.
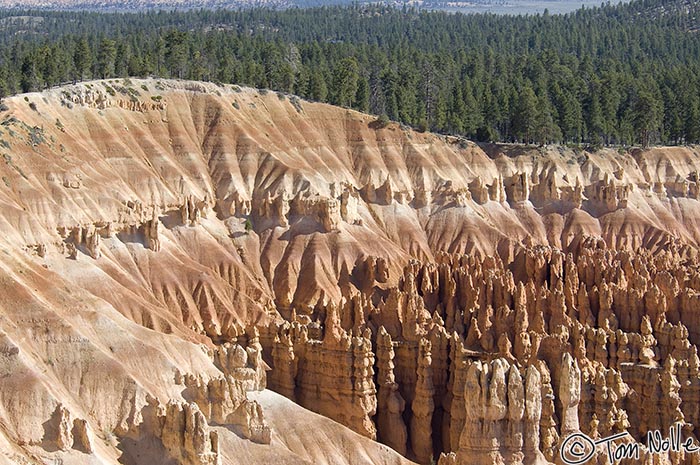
391 429
423 406
364 391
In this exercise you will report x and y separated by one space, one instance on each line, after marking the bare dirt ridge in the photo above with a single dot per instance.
171 249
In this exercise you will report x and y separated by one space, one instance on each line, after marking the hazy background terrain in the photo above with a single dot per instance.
467 6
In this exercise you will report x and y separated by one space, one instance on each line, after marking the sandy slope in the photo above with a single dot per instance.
311 438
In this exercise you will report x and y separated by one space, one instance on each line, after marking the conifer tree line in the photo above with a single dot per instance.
625 74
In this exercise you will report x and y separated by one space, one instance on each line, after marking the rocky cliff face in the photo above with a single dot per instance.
173 248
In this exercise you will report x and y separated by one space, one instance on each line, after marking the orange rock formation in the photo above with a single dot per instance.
174 249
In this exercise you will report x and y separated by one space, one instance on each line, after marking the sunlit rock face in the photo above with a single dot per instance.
174 249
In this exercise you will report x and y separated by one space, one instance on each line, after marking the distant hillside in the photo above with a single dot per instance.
126 5
465 6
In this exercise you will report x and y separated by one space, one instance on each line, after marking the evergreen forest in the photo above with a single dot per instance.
626 74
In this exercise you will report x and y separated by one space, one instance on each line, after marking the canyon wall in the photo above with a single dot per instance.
173 248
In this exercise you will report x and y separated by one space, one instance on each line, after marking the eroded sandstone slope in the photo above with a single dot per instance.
166 243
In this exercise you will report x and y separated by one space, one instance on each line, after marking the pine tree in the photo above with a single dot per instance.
525 115
439 123
285 78
455 112
30 80
82 58
472 112
176 53
691 127
645 113
317 87
121 60
546 129
345 82
596 123
106 58
362 95
159 56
